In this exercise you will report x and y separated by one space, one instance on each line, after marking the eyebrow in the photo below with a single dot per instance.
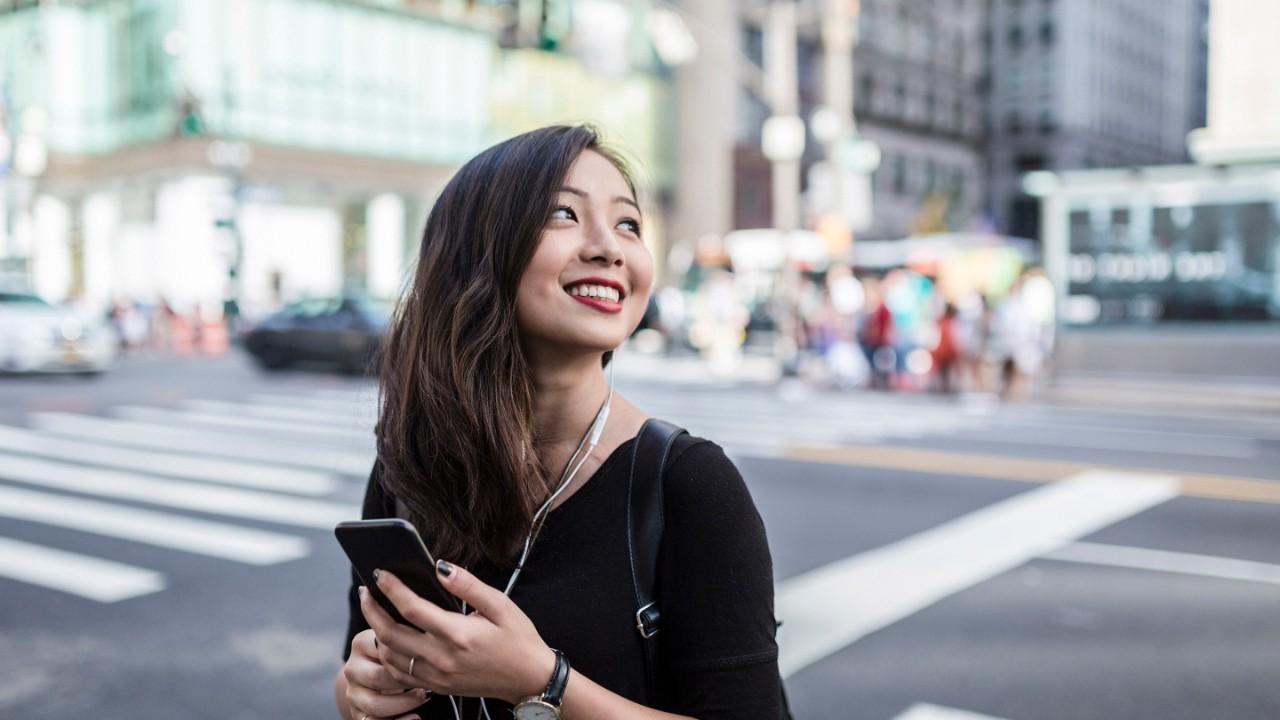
616 198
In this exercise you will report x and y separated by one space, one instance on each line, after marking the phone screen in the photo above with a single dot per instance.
393 544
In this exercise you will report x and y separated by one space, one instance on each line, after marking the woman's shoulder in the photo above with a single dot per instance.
701 479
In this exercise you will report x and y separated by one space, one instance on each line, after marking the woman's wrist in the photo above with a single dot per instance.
538 675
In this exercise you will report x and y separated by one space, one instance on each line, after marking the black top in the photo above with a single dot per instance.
717 650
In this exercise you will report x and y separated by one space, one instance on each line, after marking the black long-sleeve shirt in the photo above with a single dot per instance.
717 652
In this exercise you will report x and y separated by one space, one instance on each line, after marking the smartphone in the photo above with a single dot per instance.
393 544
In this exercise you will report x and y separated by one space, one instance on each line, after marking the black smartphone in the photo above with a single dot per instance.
393 544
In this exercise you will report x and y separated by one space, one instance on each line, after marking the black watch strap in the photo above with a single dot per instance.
559 679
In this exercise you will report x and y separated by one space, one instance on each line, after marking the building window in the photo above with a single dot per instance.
1015 37
899 180
929 110
900 97
1013 122
1048 124
866 94
1046 32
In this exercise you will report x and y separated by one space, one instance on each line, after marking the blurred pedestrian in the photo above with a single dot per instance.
719 322
878 337
947 352
503 442
1019 342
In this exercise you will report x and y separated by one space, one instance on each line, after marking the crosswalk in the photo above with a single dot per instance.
247 482
250 481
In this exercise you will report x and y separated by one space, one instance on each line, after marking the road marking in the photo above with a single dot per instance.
352 436
88 577
829 608
229 542
1135 558
943 462
353 406
280 509
207 442
925 711
1119 439
347 420
227 472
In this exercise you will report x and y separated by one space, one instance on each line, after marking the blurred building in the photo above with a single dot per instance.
1144 245
202 151
1088 84
918 94
1244 75
916 81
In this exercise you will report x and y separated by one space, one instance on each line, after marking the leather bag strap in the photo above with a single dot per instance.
644 531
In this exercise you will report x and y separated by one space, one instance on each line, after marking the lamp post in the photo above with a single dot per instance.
233 157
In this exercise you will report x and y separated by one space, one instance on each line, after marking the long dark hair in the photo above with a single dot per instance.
455 425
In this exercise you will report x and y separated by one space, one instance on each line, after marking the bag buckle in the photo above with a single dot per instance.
644 625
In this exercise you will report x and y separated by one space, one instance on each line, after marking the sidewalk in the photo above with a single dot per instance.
1130 391
1252 395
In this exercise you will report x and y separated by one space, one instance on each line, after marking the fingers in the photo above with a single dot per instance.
423 613
399 665
365 668
487 600
365 702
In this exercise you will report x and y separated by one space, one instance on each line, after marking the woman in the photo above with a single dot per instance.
532 270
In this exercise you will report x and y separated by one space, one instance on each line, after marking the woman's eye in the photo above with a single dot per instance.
564 212
631 226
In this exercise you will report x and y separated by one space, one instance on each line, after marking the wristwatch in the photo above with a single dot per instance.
547 705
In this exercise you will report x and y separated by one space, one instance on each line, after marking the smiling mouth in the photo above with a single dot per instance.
599 297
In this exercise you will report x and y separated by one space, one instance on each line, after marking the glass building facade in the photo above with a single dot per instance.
1166 244
264 149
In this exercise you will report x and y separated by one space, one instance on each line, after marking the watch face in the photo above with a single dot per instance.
532 709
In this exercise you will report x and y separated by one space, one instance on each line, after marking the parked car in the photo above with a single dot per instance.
342 332
38 337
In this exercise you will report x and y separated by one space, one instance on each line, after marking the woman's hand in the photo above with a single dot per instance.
372 692
494 652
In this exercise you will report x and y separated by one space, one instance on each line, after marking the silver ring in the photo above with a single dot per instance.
412 660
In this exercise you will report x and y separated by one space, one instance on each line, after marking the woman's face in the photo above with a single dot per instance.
587 285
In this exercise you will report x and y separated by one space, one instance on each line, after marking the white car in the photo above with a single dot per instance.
38 337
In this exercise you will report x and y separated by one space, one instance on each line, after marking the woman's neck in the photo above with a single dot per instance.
566 398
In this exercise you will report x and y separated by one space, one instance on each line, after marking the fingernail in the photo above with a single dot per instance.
364 592
444 568
422 693
376 573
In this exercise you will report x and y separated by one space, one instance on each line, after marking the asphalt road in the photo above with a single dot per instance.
933 557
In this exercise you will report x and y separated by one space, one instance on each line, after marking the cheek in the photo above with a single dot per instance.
642 276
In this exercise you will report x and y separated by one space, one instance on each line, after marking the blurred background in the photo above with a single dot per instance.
912 255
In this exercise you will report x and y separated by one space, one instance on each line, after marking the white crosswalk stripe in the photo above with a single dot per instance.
88 577
138 476
198 497
202 537
347 437
764 425
348 420
230 472
226 444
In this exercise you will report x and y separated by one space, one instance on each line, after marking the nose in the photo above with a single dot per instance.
601 246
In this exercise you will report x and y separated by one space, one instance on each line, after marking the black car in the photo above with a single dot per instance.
341 332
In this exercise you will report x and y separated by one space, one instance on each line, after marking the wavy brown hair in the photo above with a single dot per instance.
455 426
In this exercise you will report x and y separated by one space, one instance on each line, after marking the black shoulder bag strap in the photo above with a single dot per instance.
644 533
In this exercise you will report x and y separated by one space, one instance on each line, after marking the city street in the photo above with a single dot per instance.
166 545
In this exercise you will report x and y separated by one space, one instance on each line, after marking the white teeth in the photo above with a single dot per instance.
597 291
